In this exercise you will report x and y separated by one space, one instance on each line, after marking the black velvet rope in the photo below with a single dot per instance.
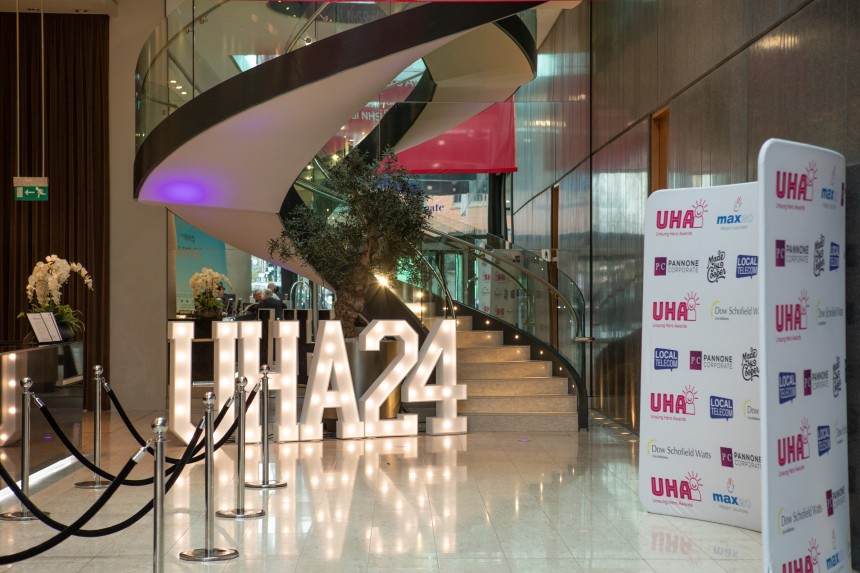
47 520
78 523
224 409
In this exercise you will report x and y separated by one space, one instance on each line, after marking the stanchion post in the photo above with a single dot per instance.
96 483
24 514
266 481
159 426
240 512
209 552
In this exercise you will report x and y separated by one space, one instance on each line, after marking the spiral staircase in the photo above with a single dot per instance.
232 155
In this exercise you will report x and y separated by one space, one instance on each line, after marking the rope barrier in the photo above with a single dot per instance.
44 518
78 523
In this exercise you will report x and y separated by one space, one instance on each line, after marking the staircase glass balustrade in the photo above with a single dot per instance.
206 42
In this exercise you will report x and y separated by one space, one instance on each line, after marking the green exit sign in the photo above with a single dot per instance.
30 188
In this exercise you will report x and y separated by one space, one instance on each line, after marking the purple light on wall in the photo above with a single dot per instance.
183 191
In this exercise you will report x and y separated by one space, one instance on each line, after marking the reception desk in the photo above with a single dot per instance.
57 371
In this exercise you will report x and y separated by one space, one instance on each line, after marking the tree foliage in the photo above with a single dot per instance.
377 230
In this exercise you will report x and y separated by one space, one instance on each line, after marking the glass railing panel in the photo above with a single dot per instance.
205 42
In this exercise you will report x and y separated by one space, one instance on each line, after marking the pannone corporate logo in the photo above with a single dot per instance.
835 498
737 219
704 361
793 449
747 266
665 359
672 491
790 253
730 458
787 387
749 364
675 313
795 189
680 404
693 218
834 256
817 380
717 267
792 317
722 408
664 266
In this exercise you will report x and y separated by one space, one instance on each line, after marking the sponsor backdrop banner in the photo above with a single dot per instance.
802 294
699 456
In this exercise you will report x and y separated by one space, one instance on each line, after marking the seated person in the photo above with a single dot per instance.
276 291
270 302
258 296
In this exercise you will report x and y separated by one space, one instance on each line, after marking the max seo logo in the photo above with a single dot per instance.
674 314
828 193
693 218
793 449
722 408
674 406
749 364
664 266
677 492
665 359
807 563
729 501
747 266
717 267
787 387
737 220
792 317
790 253
794 189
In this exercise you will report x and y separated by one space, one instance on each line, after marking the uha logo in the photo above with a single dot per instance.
679 219
805 563
683 403
791 317
796 186
680 311
689 489
794 448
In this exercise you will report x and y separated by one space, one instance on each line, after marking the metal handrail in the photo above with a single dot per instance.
537 277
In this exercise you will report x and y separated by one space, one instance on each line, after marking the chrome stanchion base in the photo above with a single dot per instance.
95 484
271 484
240 514
18 516
205 555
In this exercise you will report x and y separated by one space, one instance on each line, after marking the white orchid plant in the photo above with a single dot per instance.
203 285
44 289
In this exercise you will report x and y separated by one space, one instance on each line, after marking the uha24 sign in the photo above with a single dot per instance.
329 379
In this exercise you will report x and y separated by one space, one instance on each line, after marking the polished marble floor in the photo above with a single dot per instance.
494 502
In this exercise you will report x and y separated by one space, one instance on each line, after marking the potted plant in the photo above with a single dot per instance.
374 234
44 291
204 284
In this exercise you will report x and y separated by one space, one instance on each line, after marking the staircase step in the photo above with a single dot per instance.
508 353
515 387
522 422
479 338
504 370
464 323
548 404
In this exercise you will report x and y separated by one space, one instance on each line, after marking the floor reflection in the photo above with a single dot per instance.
477 502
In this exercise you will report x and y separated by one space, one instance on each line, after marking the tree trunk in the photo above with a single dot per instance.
350 302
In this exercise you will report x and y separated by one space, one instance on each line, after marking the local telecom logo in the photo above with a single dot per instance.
794 186
693 218
793 316
677 311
